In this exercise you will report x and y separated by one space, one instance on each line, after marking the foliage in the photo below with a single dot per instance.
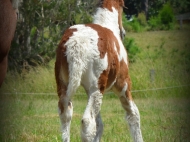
164 20
155 22
40 26
142 19
154 7
135 6
166 14
137 24
180 6
131 48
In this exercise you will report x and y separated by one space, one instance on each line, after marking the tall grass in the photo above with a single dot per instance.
36 80
166 56
164 61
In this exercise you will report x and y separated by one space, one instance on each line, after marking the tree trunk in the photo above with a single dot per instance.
144 7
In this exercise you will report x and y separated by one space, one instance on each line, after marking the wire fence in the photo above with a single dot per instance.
133 91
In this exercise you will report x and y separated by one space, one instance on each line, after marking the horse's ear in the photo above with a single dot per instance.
122 3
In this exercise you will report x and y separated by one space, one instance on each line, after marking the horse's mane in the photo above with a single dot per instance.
111 3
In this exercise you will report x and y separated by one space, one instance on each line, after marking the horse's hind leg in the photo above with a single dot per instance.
91 121
132 113
123 88
133 118
65 112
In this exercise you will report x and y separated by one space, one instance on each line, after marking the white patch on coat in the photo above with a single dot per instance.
109 20
83 54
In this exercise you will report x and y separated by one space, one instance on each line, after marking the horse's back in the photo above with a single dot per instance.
98 50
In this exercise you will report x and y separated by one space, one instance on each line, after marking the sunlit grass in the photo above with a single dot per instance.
35 119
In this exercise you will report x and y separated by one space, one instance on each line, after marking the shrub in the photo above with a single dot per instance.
136 25
155 22
166 14
164 20
131 48
142 19
132 26
125 22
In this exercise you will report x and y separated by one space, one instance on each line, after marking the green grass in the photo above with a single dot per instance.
165 52
164 113
35 119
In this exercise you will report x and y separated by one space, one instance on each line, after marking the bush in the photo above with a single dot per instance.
166 14
131 26
136 25
131 48
142 19
164 20
40 27
155 23
125 22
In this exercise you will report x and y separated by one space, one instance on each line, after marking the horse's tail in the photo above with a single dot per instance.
76 53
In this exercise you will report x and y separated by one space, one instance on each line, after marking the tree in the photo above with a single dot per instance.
144 7
151 8
40 27
132 8
180 6
136 6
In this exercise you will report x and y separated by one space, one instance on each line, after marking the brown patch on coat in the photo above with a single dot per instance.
106 39
123 78
61 67
7 28
61 63
106 44
112 3
102 82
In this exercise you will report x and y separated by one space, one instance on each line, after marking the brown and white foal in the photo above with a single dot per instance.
93 55
8 19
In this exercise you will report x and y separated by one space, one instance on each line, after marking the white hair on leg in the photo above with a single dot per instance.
133 118
99 128
89 127
65 118
132 115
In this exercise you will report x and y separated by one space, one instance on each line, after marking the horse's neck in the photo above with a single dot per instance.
107 19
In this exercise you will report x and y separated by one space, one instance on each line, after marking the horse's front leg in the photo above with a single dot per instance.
92 126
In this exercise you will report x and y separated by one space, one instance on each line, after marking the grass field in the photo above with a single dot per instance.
164 112
35 119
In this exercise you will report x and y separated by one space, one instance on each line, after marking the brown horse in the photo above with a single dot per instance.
93 55
8 20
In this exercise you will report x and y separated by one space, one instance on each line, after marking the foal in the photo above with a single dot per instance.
92 55
8 19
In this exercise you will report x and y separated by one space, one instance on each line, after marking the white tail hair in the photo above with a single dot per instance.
77 59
